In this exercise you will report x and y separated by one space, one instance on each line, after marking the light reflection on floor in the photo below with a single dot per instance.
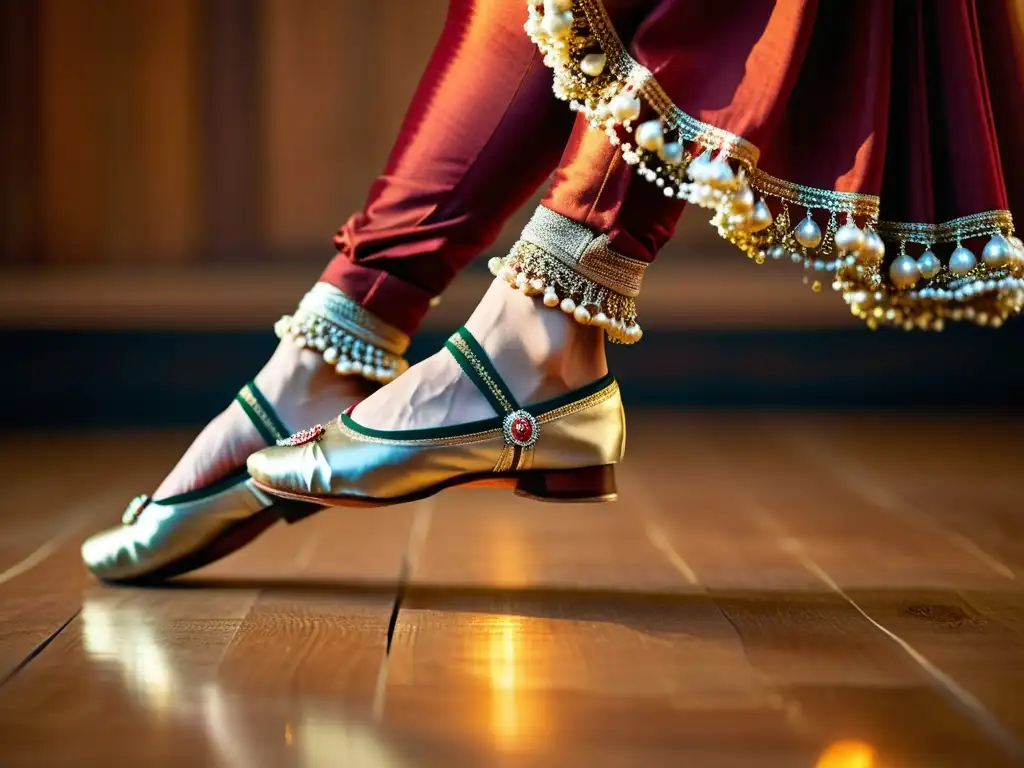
121 635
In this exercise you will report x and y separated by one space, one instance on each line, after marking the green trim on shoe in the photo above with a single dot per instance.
261 413
477 365
483 425
239 475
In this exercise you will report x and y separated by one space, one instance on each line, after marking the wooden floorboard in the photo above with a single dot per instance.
772 542
770 589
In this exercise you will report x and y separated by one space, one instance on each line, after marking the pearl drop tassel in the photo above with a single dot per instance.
624 107
699 169
649 135
997 252
928 265
874 247
849 238
720 174
903 272
593 64
962 261
743 200
556 23
807 233
761 218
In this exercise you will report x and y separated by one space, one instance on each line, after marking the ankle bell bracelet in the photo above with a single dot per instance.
351 339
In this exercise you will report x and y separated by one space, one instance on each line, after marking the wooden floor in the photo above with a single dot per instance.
815 591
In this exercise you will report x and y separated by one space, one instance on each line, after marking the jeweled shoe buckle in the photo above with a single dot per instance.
134 509
303 436
521 429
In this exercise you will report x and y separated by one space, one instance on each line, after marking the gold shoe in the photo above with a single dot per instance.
161 539
562 449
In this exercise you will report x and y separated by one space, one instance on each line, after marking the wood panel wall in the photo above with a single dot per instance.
191 132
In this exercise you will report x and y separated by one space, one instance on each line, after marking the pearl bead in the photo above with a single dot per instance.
777 251
903 272
997 252
320 344
704 195
536 285
331 355
874 247
743 200
568 305
300 341
600 320
962 261
581 315
633 333
849 237
593 64
698 169
928 265
494 265
508 274
624 107
1018 248
720 174
344 367
761 218
807 233
649 135
672 152
557 24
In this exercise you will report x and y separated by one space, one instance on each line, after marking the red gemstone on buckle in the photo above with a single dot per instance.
521 429
302 437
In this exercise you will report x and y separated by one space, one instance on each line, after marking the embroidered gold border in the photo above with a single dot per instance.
460 344
331 304
252 402
492 434
584 251
690 128
952 231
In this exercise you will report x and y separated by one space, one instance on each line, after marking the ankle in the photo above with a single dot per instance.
295 376
539 352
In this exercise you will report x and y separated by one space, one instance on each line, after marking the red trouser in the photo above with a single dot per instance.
484 130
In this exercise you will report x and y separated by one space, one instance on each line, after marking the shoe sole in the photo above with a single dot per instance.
584 485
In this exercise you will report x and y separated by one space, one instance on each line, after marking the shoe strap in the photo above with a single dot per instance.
261 413
477 365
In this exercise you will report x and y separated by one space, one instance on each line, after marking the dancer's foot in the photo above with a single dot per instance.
207 507
539 353
302 390
520 397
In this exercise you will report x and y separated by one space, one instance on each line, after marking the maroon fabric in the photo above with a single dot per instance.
918 102
913 101
593 186
484 130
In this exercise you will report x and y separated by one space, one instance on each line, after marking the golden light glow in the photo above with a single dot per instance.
848 753
516 673
505 721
